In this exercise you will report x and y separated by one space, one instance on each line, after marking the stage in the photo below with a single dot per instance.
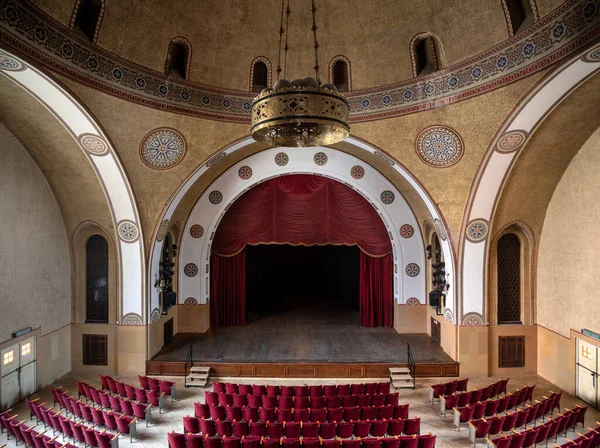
321 340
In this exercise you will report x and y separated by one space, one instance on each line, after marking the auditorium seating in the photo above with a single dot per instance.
447 388
179 440
462 398
157 386
300 391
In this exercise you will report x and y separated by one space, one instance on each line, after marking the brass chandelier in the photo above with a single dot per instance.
302 112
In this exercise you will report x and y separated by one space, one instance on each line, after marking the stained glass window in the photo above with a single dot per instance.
96 280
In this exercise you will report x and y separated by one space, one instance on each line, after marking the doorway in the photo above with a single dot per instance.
587 371
18 372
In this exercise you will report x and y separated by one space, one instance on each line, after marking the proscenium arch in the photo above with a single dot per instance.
500 158
360 147
300 161
99 151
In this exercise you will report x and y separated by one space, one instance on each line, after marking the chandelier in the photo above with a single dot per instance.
302 112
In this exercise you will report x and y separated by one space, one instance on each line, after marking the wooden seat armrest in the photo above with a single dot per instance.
133 421
149 406
116 436
40 434
472 425
64 446
162 394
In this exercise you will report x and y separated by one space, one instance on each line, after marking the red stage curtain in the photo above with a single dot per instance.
302 209
228 290
376 304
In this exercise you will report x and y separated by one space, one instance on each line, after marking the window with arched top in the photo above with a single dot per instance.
96 262
339 73
425 56
509 279
178 58
520 14
86 18
260 76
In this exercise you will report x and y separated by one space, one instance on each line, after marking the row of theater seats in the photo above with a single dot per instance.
509 401
447 388
69 429
263 414
156 385
302 402
178 440
490 408
481 394
543 433
119 405
155 396
325 430
303 391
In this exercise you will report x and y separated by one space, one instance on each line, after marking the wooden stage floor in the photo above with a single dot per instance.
315 336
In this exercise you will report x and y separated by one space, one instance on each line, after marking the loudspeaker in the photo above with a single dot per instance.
435 298
170 299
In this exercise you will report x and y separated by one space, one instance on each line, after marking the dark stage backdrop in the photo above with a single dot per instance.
301 210
284 277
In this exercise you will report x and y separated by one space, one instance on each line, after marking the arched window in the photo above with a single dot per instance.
425 56
178 58
339 73
509 279
519 14
96 262
260 76
86 18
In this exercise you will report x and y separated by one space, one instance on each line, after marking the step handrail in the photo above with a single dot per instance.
412 367
189 360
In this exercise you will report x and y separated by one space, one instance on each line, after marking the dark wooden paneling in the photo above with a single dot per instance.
303 370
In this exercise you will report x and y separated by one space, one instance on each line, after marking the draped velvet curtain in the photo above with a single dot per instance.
300 210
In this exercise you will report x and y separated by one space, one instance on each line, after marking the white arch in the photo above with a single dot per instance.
338 167
100 153
499 160
184 188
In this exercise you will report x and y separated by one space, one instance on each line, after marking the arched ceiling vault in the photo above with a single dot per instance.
542 163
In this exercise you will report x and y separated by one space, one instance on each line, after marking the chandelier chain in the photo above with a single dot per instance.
281 31
286 47
316 42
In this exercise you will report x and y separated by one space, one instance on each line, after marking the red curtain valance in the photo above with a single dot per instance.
301 209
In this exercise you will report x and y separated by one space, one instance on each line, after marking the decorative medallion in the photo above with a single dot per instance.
413 301
320 158
93 144
245 172
215 159
281 159
127 231
196 231
477 230
357 172
132 319
162 230
473 320
439 146
440 229
215 197
190 301
387 197
190 269
406 231
162 148
448 315
412 269
155 315
591 56
387 159
10 64
511 141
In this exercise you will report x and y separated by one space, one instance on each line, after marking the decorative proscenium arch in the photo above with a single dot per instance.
329 162
99 151
177 197
500 158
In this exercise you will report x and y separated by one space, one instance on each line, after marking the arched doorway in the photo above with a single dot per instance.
295 213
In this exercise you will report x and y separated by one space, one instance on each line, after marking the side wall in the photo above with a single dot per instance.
35 285
568 265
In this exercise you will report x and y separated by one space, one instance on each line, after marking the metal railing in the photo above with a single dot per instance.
412 367
189 362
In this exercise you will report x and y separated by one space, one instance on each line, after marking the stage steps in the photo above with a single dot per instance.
400 378
197 377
